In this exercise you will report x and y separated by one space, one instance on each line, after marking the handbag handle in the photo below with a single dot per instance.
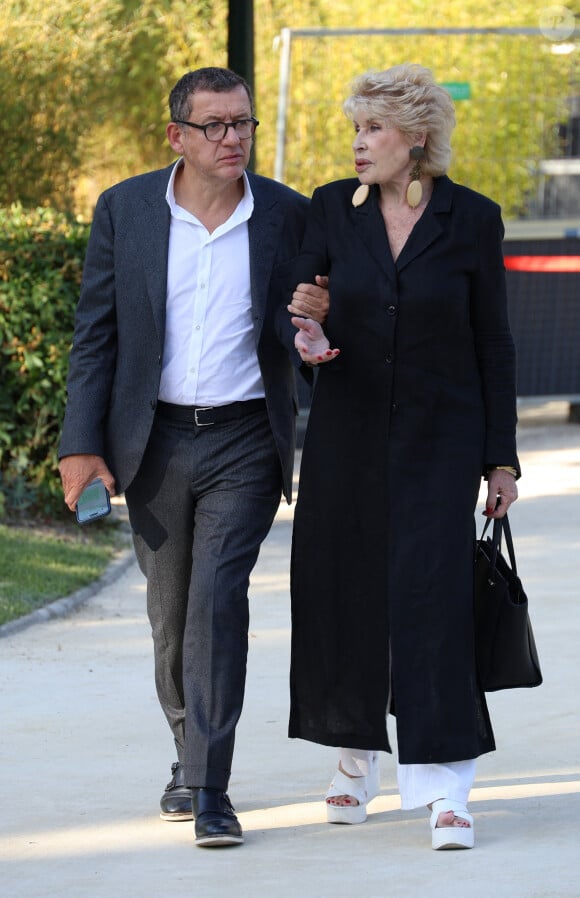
499 525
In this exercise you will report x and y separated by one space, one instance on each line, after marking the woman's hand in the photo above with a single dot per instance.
502 491
311 342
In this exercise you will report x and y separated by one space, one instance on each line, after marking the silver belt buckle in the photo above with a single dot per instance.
205 408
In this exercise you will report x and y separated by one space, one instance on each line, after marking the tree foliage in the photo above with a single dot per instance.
83 88
41 256
520 88
54 60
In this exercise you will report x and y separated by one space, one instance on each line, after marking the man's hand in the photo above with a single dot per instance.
311 300
77 471
312 343
502 491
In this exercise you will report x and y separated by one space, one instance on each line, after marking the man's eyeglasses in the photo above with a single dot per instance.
216 131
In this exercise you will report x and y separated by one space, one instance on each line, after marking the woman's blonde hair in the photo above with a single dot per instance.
407 97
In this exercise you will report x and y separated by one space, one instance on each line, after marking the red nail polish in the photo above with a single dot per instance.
329 352
320 358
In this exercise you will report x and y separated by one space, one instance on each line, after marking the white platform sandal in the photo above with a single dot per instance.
443 837
362 788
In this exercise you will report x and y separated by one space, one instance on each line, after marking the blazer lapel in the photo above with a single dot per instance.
153 235
152 229
263 233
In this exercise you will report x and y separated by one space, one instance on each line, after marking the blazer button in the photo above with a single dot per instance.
389 359
391 310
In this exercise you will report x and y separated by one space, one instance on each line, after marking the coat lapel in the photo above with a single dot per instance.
369 225
431 224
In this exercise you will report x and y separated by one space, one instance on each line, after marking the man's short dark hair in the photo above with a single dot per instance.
213 79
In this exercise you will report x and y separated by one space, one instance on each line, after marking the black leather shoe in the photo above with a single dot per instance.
176 800
216 825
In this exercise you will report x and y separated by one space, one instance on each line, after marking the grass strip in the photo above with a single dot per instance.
41 564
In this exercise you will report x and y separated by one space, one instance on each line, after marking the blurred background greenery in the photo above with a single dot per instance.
83 88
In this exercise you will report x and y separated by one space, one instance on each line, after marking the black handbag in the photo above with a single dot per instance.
505 648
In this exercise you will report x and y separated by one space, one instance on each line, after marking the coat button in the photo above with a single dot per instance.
391 310
389 359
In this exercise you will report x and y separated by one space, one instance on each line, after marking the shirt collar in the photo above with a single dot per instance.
242 212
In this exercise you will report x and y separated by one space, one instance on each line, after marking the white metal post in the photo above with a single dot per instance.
283 89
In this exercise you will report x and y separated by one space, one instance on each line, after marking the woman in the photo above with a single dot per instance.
414 402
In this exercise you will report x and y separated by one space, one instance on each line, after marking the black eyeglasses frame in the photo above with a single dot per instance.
226 125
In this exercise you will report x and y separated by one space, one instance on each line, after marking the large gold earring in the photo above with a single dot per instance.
360 195
415 188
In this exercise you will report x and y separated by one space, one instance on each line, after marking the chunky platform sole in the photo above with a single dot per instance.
363 788
451 837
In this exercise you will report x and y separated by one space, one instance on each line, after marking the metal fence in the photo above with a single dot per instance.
517 100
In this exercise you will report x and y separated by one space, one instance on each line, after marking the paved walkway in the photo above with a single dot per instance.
84 751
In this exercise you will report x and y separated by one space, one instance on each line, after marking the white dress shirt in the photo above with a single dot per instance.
209 355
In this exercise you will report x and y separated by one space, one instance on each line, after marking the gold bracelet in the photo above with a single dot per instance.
507 468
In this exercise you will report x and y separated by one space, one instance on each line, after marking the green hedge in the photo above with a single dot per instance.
41 258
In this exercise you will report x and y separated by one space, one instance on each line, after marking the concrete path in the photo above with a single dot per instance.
85 752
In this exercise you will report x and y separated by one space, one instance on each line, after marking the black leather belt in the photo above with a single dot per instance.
204 415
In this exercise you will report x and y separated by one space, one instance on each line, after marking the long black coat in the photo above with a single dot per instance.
402 427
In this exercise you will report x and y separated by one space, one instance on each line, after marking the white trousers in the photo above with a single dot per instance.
419 784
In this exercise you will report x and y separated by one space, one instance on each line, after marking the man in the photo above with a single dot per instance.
181 396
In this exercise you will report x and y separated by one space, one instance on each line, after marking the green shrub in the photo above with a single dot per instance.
41 258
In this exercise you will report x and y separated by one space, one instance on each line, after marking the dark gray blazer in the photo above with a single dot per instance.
115 361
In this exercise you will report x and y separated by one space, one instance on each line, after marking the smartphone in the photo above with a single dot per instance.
94 502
